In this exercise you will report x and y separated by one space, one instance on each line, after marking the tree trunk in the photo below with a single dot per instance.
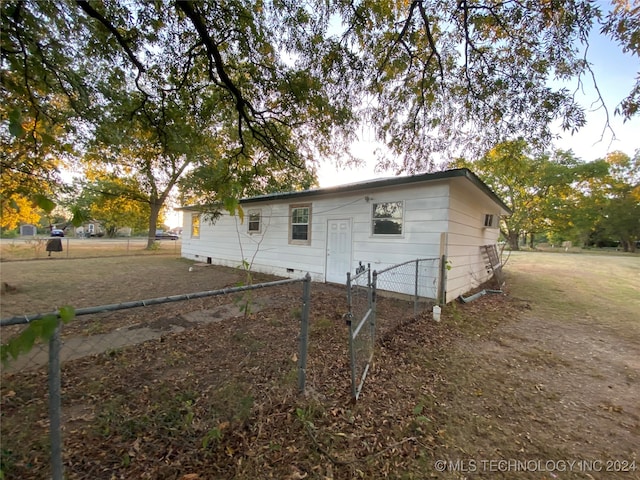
625 244
153 224
513 239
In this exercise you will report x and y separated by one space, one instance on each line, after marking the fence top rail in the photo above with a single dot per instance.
18 320
353 278
378 272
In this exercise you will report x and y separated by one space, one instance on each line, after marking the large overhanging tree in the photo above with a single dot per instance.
460 76
34 141
159 89
179 87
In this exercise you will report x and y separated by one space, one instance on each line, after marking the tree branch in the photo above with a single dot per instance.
89 10
399 38
431 40
212 50
246 112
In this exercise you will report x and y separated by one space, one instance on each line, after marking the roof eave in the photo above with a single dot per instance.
380 183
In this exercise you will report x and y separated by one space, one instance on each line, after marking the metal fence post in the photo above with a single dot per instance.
304 332
349 291
352 350
55 405
415 298
373 288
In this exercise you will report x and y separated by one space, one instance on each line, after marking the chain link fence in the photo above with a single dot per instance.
70 247
415 282
379 302
117 371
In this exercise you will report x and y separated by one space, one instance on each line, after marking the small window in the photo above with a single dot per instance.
195 225
490 220
387 218
300 226
255 224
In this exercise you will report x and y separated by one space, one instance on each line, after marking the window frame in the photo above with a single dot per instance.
196 225
292 208
257 212
491 220
374 218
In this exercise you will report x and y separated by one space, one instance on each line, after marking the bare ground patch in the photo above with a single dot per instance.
536 389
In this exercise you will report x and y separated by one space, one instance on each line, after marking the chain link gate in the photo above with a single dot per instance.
361 319
418 281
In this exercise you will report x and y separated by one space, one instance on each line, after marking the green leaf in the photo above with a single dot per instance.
232 205
29 336
47 139
40 329
4 354
44 203
15 123
67 313
48 325
79 216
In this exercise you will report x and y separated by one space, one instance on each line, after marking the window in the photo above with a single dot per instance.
195 225
300 226
254 225
491 220
387 218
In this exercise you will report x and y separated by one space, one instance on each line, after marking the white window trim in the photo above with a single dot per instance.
254 212
387 235
299 242
491 220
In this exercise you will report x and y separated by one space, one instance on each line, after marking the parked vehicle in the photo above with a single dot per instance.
166 236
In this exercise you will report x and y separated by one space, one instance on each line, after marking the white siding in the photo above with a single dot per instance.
466 235
227 242
425 217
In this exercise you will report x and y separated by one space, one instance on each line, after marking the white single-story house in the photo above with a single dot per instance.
328 232
90 229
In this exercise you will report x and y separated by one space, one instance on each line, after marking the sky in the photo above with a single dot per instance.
615 74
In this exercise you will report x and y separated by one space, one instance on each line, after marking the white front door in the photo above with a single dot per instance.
338 250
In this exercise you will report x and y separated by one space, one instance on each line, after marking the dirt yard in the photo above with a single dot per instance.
540 383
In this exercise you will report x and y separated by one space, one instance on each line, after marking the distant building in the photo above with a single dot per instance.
28 230
90 229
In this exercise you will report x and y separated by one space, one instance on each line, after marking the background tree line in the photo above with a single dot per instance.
558 197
